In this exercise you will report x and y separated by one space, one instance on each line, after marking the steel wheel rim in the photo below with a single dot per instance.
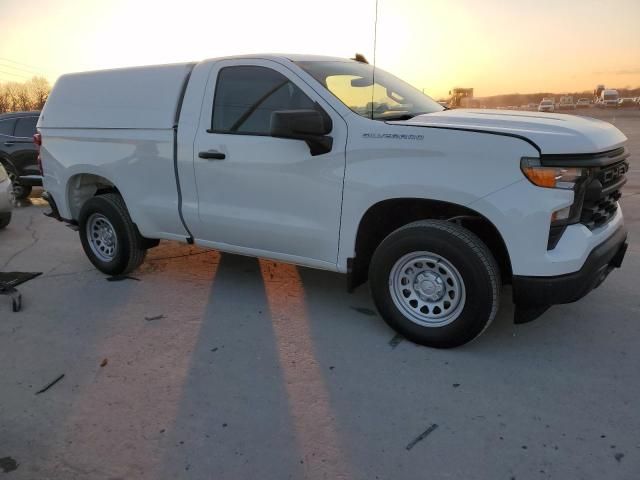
102 237
427 289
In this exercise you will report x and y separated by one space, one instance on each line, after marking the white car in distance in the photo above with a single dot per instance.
546 106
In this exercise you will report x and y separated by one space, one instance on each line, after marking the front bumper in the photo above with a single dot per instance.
540 292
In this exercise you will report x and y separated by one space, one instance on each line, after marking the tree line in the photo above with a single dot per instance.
29 95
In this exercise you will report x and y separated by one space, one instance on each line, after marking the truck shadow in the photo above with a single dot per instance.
284 365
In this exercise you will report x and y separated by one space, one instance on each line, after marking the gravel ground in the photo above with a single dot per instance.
210 366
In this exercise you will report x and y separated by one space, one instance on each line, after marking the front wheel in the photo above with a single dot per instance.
436 283
109 237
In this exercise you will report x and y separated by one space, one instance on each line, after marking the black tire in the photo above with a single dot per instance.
129 253
20 192
473 263
5 219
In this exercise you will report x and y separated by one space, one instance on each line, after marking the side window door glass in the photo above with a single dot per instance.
6 127
246 96
26 127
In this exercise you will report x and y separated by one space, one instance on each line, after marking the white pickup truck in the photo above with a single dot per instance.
328 163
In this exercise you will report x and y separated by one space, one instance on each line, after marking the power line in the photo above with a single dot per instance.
23 64
15 74
20 69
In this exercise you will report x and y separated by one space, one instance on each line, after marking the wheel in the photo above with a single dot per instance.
20 192
436 283
109 237
5 219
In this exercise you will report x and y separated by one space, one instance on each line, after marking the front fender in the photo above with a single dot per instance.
453 166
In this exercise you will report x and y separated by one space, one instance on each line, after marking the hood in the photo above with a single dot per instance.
552 133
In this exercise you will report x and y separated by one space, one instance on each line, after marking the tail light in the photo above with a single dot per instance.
37 139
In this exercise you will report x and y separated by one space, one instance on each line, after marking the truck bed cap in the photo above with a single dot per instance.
141 97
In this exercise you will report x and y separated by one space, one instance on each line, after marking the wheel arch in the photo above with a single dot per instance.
83 186
388 215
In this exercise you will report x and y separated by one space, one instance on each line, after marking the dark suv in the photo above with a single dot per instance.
18 153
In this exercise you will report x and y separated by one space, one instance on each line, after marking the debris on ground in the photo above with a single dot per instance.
157 317
395 341
119 278
104 362
422 436
619 456
8 464
47 387
364 311
8 283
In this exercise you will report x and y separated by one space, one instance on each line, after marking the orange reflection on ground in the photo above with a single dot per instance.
309 401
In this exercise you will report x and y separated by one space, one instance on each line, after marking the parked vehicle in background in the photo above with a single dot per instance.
597 93
609 98
583 103
566 103
626 102
316 161
18 154
6 198
546 106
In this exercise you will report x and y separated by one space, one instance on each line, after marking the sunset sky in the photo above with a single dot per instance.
494 46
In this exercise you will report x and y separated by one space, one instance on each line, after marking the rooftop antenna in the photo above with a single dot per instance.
375 40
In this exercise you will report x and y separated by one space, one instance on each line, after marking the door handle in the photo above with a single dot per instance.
212 155
9 144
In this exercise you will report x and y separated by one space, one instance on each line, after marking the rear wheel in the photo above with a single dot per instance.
5 219
109 237
436 283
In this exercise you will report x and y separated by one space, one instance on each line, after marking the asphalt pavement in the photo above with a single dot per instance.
210 366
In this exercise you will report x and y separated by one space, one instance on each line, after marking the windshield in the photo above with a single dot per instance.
546 102
353 84
610 96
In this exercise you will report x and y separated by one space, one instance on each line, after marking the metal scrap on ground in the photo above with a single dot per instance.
48 386
422 436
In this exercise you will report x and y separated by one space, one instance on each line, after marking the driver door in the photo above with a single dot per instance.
257 194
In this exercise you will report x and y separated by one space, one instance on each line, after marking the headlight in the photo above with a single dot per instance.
566 178
3 174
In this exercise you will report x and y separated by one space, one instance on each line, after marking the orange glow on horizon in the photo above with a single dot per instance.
495 47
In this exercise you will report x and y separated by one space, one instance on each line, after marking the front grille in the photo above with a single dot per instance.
602 195
597 214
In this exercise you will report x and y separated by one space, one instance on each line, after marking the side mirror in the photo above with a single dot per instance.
309 125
